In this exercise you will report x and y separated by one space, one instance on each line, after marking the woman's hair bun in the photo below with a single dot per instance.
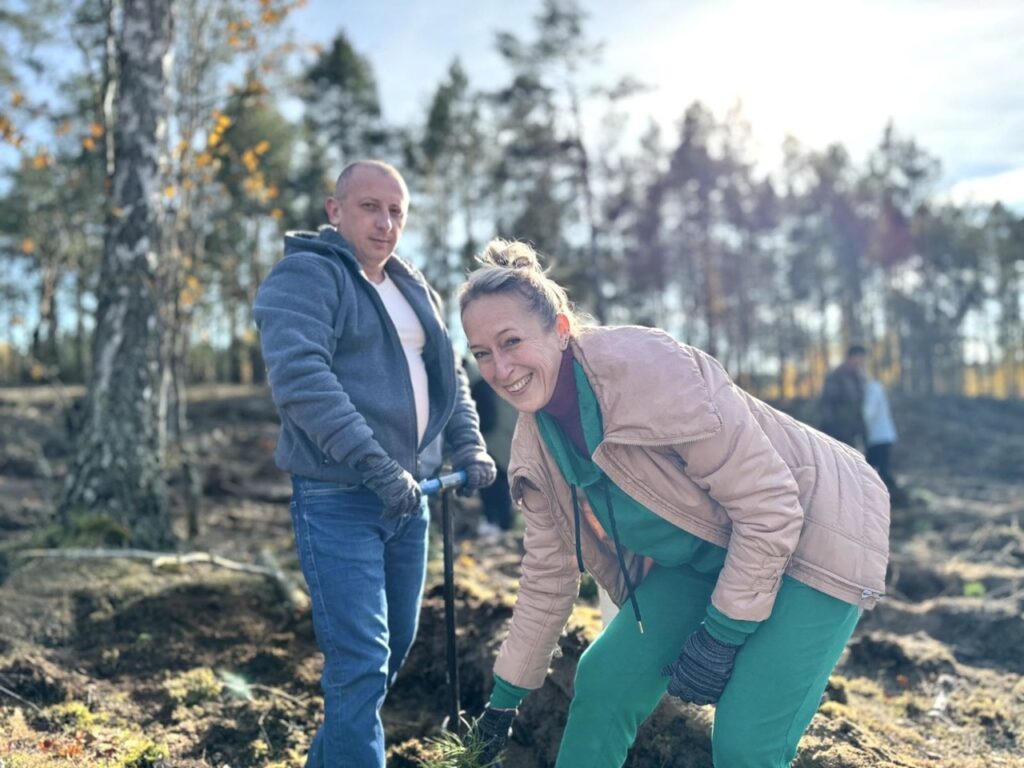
509 254
511 267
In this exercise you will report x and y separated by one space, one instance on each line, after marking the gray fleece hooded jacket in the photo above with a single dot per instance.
337 371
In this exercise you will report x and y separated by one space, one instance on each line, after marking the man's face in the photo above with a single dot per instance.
370 215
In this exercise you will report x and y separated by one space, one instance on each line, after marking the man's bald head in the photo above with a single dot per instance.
358 167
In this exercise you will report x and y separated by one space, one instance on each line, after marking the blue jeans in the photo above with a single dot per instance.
365 576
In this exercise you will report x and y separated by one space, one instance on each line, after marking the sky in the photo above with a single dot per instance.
949 73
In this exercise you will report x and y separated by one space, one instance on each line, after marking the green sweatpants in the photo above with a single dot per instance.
776 685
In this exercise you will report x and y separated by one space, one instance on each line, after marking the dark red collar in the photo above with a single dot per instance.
564 405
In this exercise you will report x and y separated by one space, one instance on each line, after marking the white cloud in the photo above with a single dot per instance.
1007 187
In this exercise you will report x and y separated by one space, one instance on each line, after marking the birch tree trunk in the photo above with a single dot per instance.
118 472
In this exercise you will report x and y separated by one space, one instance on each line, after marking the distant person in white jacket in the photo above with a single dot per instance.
879 432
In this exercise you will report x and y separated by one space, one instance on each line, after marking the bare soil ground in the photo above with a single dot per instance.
116 663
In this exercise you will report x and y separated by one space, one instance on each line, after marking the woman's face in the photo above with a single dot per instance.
517 356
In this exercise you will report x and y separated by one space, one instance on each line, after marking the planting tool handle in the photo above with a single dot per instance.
443 482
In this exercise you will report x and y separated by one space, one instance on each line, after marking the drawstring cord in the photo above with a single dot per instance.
622 560
576 518
618 550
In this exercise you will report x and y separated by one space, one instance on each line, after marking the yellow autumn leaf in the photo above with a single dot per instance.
88 144
170 191
277 214
191 292
40 161
28 245
9 133
262 148
273 191
253 184
250 161
95 130
234 41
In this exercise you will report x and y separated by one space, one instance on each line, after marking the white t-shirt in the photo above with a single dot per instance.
411 334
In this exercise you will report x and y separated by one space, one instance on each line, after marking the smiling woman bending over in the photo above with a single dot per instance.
746 543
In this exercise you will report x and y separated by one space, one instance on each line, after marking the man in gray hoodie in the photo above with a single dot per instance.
369 393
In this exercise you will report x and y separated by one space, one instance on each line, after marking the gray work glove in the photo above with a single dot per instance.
395 487
492 730
478 466
700 673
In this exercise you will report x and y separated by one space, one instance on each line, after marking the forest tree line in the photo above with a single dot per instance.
773 271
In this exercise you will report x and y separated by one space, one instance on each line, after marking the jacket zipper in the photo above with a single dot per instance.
837 581
393 333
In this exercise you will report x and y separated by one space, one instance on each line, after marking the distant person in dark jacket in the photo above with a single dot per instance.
842 399
367 387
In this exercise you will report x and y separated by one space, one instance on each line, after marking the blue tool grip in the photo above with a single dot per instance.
443 483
